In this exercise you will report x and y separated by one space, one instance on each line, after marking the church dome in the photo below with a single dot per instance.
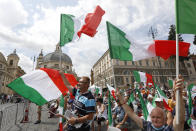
55 56
2 58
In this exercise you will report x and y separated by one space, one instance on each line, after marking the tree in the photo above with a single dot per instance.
152 32
172 34
194 42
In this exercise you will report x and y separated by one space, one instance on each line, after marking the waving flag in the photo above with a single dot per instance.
186 16
92 21
69 26
167 48
42 85
163 97
112 91
143 77
122 48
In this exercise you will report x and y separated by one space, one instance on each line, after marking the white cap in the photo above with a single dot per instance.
158 99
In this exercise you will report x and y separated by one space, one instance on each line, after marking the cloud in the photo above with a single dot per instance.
38 27
12 13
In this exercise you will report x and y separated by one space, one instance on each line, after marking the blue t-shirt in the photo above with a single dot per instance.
120 113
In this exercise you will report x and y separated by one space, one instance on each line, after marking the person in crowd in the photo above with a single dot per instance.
157 115
53 108
39 113
127 123
172 101
83 105
149 104
101 112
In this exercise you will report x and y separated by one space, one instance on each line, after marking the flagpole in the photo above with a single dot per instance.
177 74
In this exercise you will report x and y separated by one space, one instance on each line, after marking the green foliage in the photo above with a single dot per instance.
194 42
172 34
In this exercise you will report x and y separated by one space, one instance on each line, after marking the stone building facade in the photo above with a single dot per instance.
105 69
56 60
9 70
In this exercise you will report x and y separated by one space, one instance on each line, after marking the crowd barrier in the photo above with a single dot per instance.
10 115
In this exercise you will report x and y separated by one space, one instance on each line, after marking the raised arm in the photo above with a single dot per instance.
66 82
129 111
179 85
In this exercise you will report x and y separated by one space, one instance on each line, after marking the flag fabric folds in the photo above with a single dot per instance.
92 21
42 85
118 43
143 77
163 97
167 48
109 110
112 91
186 16
143 104
68 28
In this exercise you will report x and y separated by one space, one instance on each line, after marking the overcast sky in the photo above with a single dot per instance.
31 25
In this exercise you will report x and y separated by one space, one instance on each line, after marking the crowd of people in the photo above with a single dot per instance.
92 108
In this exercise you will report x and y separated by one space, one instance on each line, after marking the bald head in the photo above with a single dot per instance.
158 117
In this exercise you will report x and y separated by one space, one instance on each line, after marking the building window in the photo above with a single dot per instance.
11 62
147 63
133 63
126 73
153 63
140 63
1 66
190 72
67 67
125 62
127 80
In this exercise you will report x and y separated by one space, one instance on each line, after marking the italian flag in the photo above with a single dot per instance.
122 47
42 85
163 97
68 28
143 77
112 91
71 29
92 22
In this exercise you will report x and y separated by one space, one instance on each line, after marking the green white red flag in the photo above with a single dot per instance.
112 91
163 97
92 22
42 85
124 48
68 29
143 77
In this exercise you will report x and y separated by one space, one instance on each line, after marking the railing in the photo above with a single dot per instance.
10 114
